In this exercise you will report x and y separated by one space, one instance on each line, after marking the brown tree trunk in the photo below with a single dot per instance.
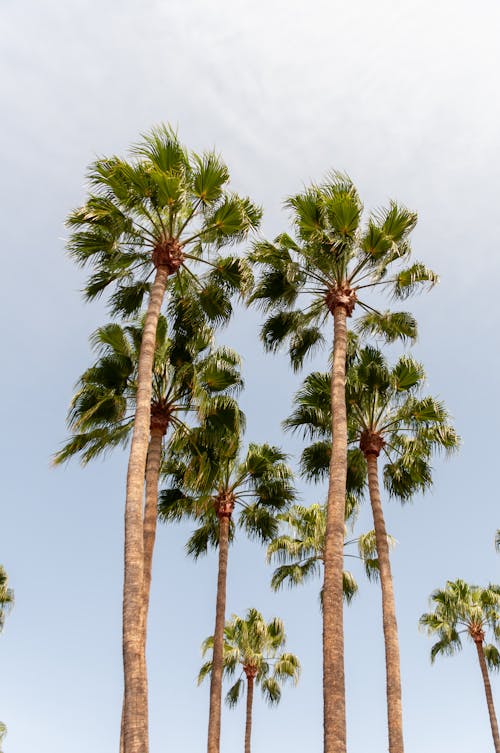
135 718
214 715
333 627
248 725
153 466
392 661
489 696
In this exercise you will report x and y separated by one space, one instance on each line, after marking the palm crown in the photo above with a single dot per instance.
187 376
301 550
334 260
212 483
251 645
384 406
461 609
167 207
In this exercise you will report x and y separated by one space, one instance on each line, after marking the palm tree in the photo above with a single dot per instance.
461 609
251 645
301 551
188 377
6 596
3 732
385 414
207 487
152 217
334 261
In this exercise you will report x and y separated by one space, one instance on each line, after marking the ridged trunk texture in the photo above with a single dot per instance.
248 724
489 696
153 464
333 624
214 714
392 660
135 717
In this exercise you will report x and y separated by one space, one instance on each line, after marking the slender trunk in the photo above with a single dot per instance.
135 721
153 465
489 696
248 725
392 661
333 628
214 717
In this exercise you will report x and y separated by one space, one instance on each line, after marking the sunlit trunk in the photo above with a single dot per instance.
135 719
333 628
214 718
248 724
489 696
392 660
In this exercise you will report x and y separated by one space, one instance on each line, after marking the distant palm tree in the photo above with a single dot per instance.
251 645
385 414
302 550
208 486
143 222
461 609
6 596
3 732
334 261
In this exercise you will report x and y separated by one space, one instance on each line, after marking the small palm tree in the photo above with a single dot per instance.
302 550
387 415
251 646
3 732
461 609
333 261
155 216
208 486
6 596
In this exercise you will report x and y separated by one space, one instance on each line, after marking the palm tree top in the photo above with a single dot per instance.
6 596
208 482
189 376
165 207
461 609
386 414
334 260
251 645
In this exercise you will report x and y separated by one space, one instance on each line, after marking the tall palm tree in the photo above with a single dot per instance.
385 414
6 596
189 377
334 261
461 609
251 645
162 212
209 486
301 551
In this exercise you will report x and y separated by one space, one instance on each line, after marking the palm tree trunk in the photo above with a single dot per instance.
392 661
248 725
135 721
153 465
333 626
489 696
214 716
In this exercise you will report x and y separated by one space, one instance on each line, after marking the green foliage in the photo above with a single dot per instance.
252 644
163 195
333 250
6 596
204 467
188 376
300 550
462 609
382 400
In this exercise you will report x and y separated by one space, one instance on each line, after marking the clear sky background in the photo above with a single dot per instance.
404 97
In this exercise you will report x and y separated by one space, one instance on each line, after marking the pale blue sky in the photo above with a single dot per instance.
402 96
